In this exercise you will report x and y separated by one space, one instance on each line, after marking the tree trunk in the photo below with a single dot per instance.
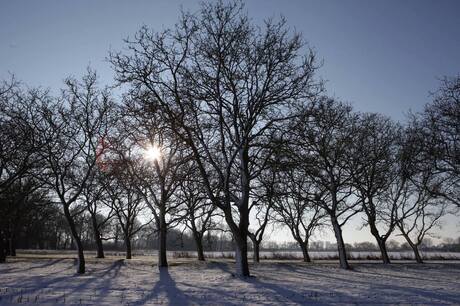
128 248
12 245
241 257
81 257
76 240
340 244
115 239
240 232
306 255
199 245
256 250
380 242
97 238
383 250
418 257
2 248
162 260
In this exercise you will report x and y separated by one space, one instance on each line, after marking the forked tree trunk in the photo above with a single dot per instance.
380 242
97 238
383 250
162 260
255 248
418 256
76 240
199 245
340 244
304 247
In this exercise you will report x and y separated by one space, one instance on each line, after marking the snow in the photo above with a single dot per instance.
186 282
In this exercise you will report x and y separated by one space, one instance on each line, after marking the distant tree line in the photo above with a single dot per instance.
222 126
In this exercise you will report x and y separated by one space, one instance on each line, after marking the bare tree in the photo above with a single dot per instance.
439 134
322 139
94 194
127 204
18 205
220 84
71 128
18 148
296 207
417 215
418 210
263 200
19 140
200 214
373 169
154 160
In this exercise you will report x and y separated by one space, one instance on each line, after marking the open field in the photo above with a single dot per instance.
114 281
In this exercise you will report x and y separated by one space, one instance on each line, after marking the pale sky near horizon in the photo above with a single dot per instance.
381 56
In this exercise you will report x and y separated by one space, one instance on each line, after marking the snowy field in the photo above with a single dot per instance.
119 282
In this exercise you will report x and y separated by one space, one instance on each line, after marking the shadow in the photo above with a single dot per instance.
408 271
283 294
167 285
383 291
47 263
60 287
278 294
273 282
224 266
102 282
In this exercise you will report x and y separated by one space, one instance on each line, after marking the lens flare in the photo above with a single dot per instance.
152 153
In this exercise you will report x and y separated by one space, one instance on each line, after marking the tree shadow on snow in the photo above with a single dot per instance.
280 293
167 285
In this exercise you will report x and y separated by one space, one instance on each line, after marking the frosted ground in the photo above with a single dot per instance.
113 281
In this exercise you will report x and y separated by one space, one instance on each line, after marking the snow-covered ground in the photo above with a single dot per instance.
186 282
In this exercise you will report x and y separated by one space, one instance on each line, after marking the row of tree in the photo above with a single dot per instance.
222 124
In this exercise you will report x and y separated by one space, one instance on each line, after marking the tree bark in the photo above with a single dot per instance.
162 260
199 245
306 255
97 238
241 257
380 242
241 231
128 247
340 244
383 250
2 248
115 239
418 256
12 245
76 240
256 250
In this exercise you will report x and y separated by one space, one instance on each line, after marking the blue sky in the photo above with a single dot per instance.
381 56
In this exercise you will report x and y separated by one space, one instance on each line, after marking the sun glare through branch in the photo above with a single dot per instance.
152 153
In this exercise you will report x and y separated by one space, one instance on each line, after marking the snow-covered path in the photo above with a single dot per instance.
118 282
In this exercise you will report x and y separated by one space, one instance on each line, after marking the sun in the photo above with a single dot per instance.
152 153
